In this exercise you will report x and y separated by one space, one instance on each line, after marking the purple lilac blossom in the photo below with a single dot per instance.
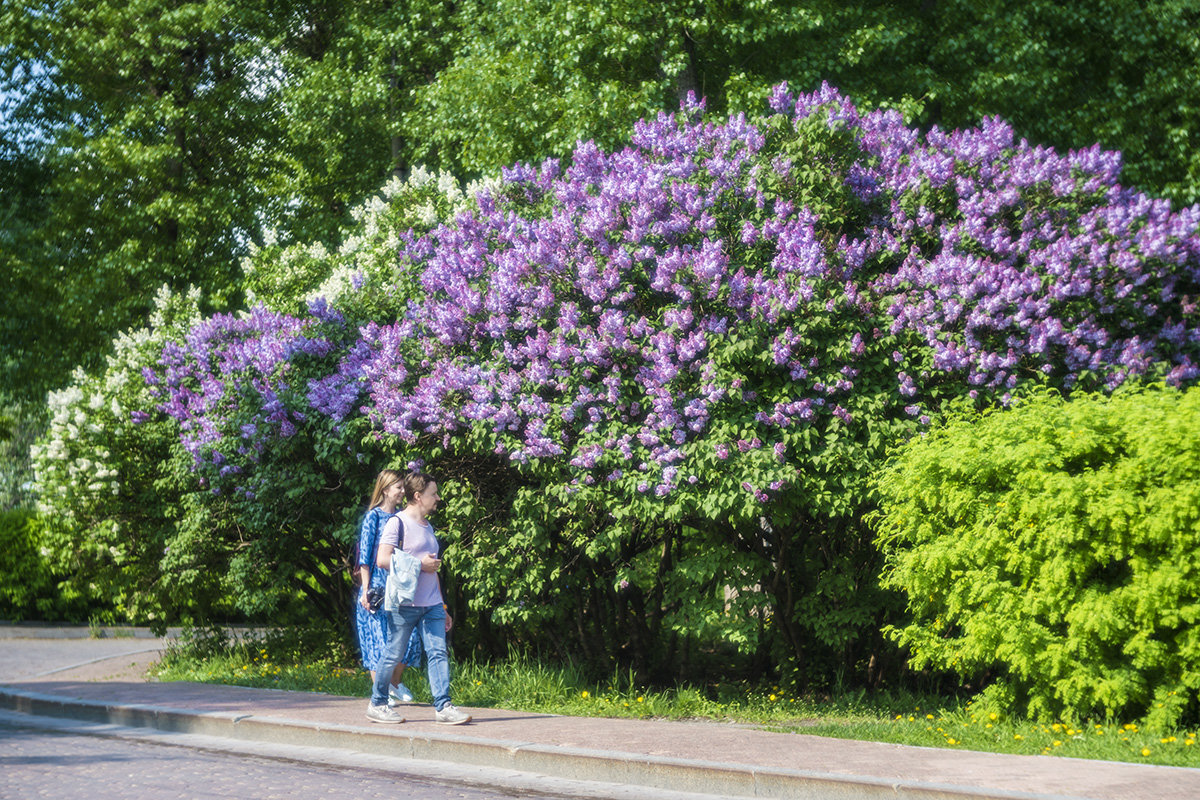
610 312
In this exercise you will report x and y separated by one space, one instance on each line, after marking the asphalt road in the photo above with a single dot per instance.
21 659
39 763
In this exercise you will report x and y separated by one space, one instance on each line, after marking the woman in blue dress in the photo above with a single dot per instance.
371 625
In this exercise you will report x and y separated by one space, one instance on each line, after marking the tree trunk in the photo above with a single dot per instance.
782 589
393 92
686 81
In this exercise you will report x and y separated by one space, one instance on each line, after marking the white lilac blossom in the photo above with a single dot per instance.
75 464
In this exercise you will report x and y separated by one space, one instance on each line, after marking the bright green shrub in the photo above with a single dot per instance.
29 585
1056 547
22 572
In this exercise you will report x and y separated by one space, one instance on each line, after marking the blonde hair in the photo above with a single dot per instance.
385 480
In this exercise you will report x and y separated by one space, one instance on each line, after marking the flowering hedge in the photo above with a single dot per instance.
111 487
656 381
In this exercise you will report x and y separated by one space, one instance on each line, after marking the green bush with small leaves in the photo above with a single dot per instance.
1052 550
30 587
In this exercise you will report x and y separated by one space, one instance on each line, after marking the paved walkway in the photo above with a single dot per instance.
701 757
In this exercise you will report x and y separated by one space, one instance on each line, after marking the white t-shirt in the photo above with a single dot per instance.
418 540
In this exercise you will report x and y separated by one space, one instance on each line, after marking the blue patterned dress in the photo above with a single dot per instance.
372 626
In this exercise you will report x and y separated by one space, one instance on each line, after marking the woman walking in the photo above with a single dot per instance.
371 625
426 614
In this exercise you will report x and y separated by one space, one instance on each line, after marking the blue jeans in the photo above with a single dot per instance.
430 623
414 653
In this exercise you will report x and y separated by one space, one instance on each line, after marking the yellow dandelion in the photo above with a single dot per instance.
641 699
1145 751
929 716
584 694
771 698
1056 743
1018 737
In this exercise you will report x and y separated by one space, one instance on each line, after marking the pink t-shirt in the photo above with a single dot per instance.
418 540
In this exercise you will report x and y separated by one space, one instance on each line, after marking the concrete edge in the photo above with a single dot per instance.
518 784
656 772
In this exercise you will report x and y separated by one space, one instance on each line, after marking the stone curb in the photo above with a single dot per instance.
580 764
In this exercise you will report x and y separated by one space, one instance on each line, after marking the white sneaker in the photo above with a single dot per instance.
399 693
383 714
450 715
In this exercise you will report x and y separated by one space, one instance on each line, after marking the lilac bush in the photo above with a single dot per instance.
658 379
113 483
228 361
602 293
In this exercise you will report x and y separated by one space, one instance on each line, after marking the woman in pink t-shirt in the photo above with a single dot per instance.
411 531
